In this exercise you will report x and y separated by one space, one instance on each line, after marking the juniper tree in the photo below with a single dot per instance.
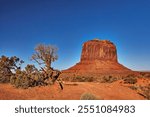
8 66
45 54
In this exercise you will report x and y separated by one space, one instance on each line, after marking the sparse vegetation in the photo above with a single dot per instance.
8 66
142 90
108 79
130 80
88 96
26 78
147 75
145 91
134 87
10 69
82 79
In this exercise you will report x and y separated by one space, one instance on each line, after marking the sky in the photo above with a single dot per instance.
67 24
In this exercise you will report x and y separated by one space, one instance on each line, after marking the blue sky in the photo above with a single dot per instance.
69 23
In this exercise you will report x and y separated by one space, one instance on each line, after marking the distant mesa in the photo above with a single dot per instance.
98 57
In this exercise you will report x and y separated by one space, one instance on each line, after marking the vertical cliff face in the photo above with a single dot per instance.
102 50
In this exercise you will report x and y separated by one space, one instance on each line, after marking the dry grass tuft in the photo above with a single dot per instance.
89 96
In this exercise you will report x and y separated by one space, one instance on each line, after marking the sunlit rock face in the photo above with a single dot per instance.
99 50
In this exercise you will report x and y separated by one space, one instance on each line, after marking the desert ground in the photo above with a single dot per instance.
74 90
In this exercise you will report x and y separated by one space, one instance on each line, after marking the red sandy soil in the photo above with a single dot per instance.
72 91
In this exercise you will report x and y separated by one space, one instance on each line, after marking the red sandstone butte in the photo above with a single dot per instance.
98 57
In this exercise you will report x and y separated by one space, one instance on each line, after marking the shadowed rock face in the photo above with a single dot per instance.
99 50
97 57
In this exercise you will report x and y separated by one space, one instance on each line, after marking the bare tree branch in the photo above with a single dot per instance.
45 54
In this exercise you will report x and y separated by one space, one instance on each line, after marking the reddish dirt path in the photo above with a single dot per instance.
72 91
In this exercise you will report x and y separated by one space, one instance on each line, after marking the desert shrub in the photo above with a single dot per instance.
131 76
142 73
4 78
78 79
7 66
88 96
130 80
66 78
12 79
142 90
17 82
82 79
20 79
147 75
5 75
31 77
134 87
30 69
10 72
24 80
89 79
10 69
108 79
145 91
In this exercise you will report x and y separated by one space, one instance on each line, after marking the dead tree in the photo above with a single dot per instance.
45 54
